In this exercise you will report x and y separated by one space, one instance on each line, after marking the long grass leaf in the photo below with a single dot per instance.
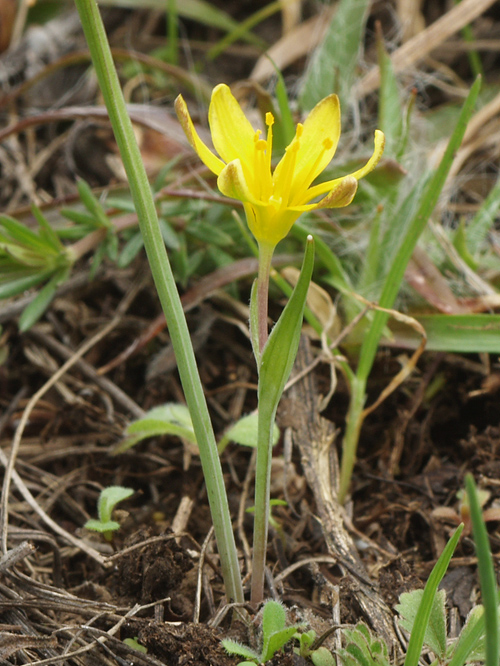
483 220
396 272
487 578
390 112
424 610
333 64
196 10
462 333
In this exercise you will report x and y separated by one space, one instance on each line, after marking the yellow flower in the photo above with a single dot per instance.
273 200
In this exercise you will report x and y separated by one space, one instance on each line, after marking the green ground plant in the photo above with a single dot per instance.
275 634
421 613
106 504
175 419
394 210
272 200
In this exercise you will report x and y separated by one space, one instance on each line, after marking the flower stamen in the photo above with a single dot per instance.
283 181
269 147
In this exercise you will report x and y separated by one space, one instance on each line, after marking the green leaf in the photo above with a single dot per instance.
79 217
419 221
41 302
480 225
435 634
130 250
233 647
207 233
461 246
347 658
306 639
487 578
169 419
196 10
21 284
322 657
333 64
99 526
274 633
390 114
467 643
285 128
425 608
109 498
172 413
276 641
281 348
273 618
46 232
461 333
169 235
243 29
244 431
133 643
23 235
359 654
99 217
337 276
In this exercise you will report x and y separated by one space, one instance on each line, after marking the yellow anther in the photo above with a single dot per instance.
269 119
260 144
299 131
256 136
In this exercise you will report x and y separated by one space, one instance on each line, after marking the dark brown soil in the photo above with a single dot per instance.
68 596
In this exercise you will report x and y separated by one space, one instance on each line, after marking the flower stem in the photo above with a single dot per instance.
262 506
167 292
354 421
265 257
264 439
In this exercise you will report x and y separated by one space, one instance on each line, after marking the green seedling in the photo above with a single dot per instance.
108 499
275 634
174 419
169 419
319 656
423 612
362 649
94 218
245 433
29 259
487 577
134 643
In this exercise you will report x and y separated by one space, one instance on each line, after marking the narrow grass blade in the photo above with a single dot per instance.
487 578
243 29
337 276
333 64
469 637
417 225
390 112
196 10
41 302
422 619
287 126
483 220
463 333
